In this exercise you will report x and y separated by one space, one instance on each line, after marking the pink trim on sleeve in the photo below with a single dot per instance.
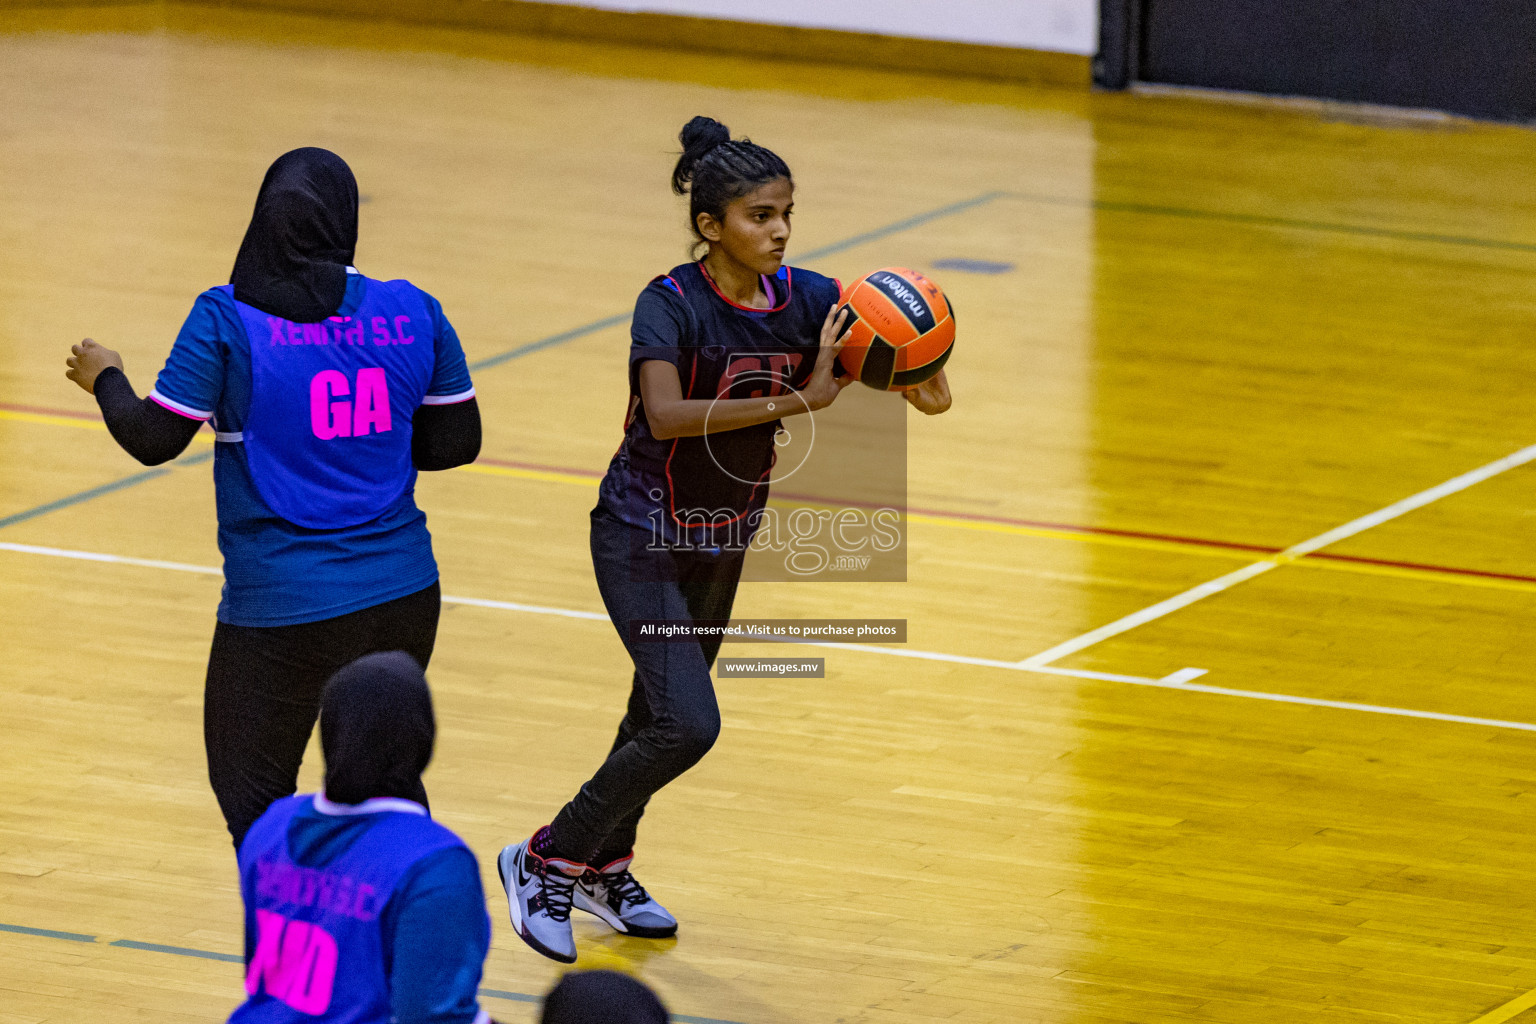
462 396
179 409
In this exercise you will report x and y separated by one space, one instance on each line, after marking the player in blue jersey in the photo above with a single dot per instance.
717 344
359 908
327 391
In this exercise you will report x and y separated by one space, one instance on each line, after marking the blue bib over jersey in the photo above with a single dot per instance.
318 955
277 572
328 435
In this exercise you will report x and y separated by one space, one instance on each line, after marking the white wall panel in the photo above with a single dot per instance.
1068 26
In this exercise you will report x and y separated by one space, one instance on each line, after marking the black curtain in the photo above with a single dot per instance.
1473 57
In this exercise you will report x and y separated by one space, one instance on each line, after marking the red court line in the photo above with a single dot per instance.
1102 531
947 513
44 411
1206 543
1422 566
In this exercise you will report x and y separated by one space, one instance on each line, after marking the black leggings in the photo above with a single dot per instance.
673 718
263 694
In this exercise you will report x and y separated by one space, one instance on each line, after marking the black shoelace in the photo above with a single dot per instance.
556 891
623 885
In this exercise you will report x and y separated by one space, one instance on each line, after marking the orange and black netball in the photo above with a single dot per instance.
903 329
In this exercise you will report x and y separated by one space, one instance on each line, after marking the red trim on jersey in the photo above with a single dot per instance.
693 374
668 279
768 289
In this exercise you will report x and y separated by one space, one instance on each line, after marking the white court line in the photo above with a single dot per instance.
531 609
208 570
1179 680
92 556
1290 554
1146 615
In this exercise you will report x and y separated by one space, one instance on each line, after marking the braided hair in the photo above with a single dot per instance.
715 170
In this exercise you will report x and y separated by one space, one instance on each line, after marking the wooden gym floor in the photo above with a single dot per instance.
1214 332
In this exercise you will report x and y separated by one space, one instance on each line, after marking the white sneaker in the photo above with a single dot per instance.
539 897
611 893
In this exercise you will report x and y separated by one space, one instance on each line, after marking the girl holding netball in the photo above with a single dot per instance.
717 345
328 390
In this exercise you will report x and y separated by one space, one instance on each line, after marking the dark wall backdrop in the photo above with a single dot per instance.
1475 57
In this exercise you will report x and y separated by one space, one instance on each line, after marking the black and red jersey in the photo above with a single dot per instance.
704 492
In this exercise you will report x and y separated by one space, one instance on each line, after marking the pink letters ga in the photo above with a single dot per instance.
372 411
326 418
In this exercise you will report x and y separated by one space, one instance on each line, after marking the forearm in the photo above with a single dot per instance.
445 436
694 417
150 433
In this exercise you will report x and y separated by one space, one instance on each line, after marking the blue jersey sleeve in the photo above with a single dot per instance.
450 373
437 933
192 380
659 329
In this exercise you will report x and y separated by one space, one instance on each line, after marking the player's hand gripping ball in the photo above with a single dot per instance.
903 329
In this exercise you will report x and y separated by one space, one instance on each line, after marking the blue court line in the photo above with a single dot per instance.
155 947
848 243
554 339
520 997
75 499
96 492
904 225
208 954
1261 220
47 933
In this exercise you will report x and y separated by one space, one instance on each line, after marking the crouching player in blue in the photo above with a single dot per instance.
359 908
715 346
328 391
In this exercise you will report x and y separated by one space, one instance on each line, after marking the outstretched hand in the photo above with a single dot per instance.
931 396
87 360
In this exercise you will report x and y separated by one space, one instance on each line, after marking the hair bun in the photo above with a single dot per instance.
698 137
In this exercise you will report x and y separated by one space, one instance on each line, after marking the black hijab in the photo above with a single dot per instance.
601 997
376 729
293 261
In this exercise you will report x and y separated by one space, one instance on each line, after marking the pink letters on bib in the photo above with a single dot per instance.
331 419
294 961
